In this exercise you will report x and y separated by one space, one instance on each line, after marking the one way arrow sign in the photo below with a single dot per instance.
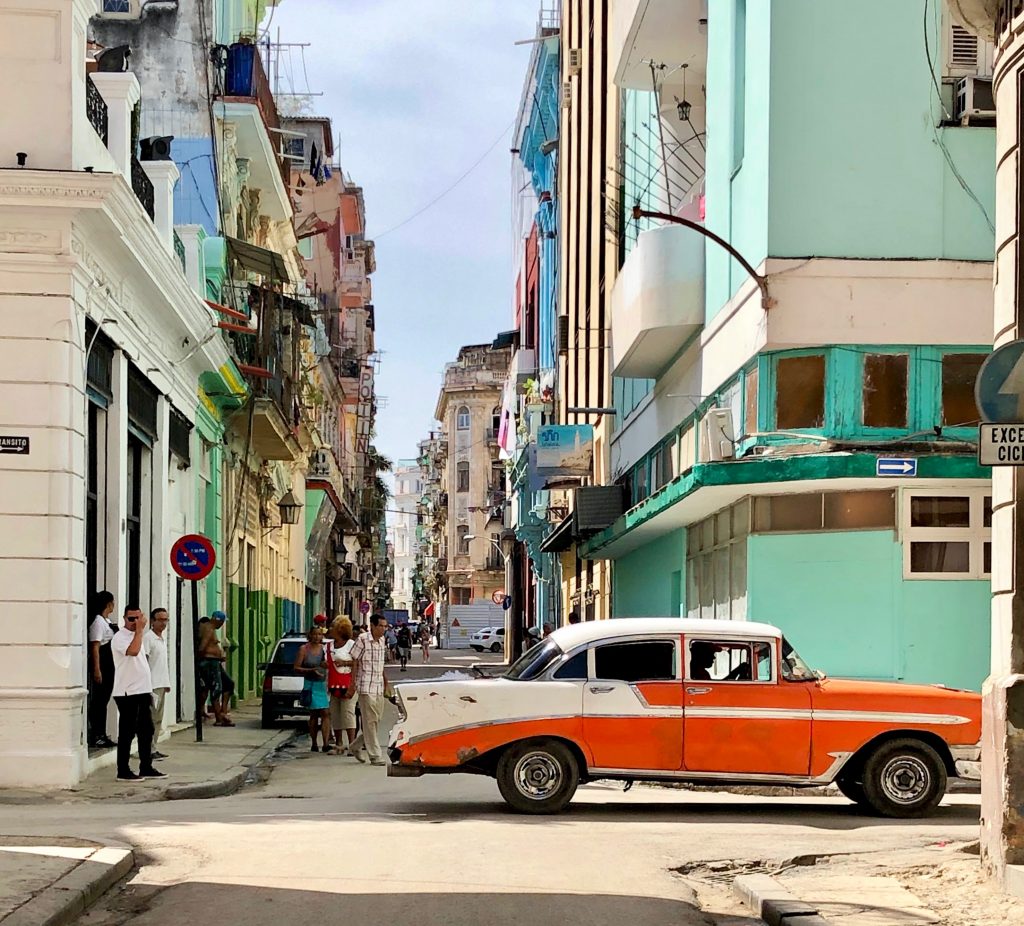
896 466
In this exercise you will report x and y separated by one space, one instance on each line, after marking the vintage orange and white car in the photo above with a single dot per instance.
672 699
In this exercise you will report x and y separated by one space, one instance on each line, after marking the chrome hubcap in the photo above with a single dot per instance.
906 779
537 775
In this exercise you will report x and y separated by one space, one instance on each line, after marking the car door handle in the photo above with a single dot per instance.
601 689
697 691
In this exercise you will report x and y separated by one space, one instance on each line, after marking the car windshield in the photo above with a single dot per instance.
793 667
534 661
287 651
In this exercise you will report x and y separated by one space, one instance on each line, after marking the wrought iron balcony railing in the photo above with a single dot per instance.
143 187
96 109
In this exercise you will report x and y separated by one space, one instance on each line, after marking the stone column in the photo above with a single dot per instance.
192 238
1002 798
164 175
121 92
116 484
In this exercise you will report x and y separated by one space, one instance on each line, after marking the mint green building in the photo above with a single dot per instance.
800 449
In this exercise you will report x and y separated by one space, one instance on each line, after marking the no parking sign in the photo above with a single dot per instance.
193 557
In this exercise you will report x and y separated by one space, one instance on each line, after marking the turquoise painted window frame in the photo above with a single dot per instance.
847 387
830 410
931 383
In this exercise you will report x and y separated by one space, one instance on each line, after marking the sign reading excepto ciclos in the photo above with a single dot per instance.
13 444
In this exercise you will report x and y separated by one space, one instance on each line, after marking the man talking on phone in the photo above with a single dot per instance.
133 694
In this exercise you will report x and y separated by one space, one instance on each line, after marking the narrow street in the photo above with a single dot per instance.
327 838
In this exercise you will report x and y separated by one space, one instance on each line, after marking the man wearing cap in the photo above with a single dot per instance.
215 682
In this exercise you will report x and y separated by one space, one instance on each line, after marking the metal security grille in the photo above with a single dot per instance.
179 434
142 398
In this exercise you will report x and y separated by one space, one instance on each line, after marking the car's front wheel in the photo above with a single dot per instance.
851 789
904 778
538 776
496 647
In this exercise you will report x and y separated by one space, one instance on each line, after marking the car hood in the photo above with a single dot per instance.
954 706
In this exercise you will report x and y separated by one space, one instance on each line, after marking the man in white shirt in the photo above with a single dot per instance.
133 694
159 669
369 681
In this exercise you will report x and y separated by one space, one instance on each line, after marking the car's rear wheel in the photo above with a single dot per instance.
496 647
479 649
904 778
268 719
538 776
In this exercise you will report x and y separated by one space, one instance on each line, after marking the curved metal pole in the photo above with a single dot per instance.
762 282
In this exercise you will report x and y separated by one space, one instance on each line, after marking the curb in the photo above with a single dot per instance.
233 778
774 904
69 897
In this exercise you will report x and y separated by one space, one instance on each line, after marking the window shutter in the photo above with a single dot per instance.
963 49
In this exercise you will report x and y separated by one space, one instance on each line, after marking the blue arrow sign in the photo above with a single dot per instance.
896 466
999 388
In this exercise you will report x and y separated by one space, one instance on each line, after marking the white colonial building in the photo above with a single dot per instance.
408 490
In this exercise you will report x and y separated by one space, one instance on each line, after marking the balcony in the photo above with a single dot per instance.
247 102
523 365
657 30
658 300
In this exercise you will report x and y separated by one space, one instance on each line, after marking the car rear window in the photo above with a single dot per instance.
287 651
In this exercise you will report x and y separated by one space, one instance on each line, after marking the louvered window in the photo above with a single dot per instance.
963 53
179 434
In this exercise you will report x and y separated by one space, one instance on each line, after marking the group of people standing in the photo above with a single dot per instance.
129 663
338 674
400 640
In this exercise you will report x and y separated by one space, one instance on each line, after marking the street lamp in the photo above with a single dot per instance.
494 543
289 506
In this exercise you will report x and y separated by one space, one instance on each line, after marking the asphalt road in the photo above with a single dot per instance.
327 839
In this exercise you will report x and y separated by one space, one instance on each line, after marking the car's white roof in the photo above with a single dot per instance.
577 634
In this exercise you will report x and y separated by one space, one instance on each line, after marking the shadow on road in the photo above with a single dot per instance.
201 903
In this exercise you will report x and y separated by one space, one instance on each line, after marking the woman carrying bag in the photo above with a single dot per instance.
339 681
311 661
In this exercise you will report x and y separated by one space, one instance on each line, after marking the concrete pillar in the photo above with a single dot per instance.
42 69
121 92
163 175
192 238
159 522
1002 798
116 561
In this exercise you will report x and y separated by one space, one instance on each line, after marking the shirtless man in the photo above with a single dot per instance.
215 683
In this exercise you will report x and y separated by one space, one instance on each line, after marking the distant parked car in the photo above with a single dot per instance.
282 685
492 638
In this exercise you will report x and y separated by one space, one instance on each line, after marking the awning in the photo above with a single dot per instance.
259 260
428 611
561 538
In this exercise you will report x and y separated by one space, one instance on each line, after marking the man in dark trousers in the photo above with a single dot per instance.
133 695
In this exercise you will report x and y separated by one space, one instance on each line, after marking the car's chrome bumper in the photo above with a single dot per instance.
967 760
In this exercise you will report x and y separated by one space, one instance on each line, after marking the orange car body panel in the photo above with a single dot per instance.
798 731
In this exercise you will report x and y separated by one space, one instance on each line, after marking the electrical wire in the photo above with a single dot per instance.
448 190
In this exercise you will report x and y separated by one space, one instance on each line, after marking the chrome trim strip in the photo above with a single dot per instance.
892 717
575 715
777 713
828 776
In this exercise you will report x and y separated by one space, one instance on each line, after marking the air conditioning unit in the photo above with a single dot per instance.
566 94
575 60
717 440
973 102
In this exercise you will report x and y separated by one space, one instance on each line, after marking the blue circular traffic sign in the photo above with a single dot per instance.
999 388
193 557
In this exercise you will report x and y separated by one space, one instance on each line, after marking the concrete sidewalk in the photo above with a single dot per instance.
218 766
51 882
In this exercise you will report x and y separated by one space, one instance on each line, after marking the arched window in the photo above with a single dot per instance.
496 420
462 477
461 543
462 418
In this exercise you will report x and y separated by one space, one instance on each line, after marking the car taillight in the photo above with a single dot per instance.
268 683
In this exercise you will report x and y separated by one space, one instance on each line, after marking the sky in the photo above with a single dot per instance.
419 90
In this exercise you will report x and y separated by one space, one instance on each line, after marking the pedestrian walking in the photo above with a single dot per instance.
339 682
101 670
133 695
369 680
159 670
310 662
425 641
392 640
404 645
